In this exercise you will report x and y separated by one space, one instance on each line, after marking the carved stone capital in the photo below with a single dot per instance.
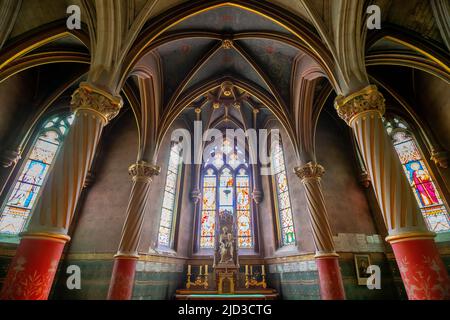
90 180
440 158
364 179
310 171
257 196
10 158
86 97
367 99
143 172
196 196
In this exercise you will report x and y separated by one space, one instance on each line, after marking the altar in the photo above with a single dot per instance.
228 279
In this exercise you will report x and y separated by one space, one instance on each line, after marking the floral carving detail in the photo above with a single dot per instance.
86 97
144 171
310 171
367 99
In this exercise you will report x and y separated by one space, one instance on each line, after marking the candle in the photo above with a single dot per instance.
251 270
263 270
206 270
246 269
201 270
189 269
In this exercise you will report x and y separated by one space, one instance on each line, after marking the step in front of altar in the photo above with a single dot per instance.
244 295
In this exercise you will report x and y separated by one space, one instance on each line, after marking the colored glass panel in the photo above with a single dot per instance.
208 219
427 195
166 224
226 193
285 219
21 200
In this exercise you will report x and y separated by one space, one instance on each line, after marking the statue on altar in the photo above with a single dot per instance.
226 246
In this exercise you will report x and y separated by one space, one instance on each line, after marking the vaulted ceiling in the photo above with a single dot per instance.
170 58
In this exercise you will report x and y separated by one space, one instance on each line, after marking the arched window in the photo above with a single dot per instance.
427 194
226 187
170 200
285 221
19 204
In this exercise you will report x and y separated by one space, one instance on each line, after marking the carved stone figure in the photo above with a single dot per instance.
226 249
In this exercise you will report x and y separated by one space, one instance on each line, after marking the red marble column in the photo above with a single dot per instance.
122 280
33 269
331 285
424 274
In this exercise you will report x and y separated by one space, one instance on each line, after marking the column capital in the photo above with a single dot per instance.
87 97
310 170
9 157
365 100
196 195
257 196
143 171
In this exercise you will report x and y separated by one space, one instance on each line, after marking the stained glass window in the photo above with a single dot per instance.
226 189
285 219
208 216
17 209
166 225
244 221
424 188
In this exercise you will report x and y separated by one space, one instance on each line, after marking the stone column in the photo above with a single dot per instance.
423 272
33 269
331 284
122 280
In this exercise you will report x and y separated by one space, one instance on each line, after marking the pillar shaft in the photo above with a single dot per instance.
122 280
33 268
331 284
363 112
54 210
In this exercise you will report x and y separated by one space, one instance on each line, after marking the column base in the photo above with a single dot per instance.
330 278
32 271
423 273
122 280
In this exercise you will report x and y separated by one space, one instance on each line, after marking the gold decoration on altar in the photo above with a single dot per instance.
251 280
365 100
201 281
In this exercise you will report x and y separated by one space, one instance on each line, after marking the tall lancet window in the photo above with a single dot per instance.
19 203
170 200
416 169
226 188
285 220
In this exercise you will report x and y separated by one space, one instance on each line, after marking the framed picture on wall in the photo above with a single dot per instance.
362 262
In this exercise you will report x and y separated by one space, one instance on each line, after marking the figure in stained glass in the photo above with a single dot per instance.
232 194
17 210
428 197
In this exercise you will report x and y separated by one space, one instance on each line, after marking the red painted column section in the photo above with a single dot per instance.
424 274
331 284
122 280
32 271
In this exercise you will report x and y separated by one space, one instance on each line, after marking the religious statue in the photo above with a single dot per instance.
226 247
